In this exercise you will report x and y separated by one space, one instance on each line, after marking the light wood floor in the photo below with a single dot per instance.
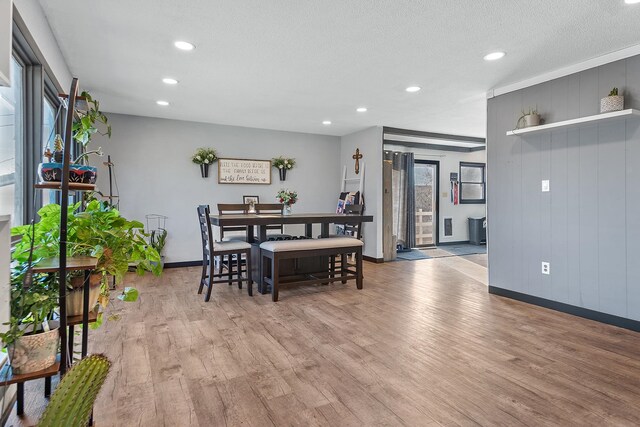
423 344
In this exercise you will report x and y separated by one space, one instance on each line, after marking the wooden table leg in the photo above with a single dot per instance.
324 230
308 230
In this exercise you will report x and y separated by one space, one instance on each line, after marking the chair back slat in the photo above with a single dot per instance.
205 230
271 208
353 229
232 209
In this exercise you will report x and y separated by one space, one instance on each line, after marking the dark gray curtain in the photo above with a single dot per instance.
404 200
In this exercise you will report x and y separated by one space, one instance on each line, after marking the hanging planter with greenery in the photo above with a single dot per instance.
283 164
204 157
88 123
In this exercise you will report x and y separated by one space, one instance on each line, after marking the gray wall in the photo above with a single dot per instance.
155 173
588 225
369 141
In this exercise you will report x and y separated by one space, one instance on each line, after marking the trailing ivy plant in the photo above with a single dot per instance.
90 122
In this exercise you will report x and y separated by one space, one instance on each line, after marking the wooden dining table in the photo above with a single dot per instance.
260 222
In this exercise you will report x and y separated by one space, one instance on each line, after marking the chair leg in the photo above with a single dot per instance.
47 387
249 274
230 269
332 266
203 277
275 275
211 273
359 275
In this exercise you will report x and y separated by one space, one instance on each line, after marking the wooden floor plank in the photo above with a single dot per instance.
423 343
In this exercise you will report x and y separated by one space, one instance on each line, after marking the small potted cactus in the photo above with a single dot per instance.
528 118
613 102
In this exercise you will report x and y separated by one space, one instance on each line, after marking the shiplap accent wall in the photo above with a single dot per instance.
588 225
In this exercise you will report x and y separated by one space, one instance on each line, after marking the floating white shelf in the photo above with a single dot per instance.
623 114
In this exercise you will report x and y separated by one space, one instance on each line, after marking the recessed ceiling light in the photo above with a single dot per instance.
413 89
184 45
493 56
170 81
631 1
361 109
326 122
163 103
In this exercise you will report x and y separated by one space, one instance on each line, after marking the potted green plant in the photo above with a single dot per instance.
287 198
157 239
528 118
32 336
204 157
283 164
99 231
613 102
88 122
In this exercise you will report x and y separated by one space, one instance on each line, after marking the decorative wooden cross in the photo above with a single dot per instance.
357 158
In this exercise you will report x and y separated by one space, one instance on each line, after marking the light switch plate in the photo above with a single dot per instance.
545 185
546 267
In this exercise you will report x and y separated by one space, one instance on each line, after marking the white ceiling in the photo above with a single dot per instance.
289 65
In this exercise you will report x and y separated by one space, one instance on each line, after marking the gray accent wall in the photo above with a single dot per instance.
588 225
155 174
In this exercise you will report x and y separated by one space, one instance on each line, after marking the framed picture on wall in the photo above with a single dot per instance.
244 171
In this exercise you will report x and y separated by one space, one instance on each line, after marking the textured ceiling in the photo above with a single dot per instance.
290 64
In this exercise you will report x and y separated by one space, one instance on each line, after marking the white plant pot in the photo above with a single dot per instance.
531 120
75 298
35 352
612 103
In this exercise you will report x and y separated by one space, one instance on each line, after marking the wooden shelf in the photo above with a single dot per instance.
52 265
604 117
8 378
77 320
72 186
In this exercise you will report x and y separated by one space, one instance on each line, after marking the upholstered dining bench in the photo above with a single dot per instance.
272 252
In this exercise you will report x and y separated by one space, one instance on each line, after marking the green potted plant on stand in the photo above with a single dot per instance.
204 157
283 164
32 337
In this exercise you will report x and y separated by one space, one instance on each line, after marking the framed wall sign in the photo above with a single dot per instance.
244 171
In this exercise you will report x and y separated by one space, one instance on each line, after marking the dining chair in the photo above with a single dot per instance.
234 232
233 250
275 209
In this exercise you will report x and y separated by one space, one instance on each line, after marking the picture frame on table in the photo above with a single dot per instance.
248 200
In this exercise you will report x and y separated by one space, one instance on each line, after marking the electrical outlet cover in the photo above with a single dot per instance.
546 268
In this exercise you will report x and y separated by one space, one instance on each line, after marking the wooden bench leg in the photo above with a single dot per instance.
343 265
239 269
275 277
249 274
359 268
20 399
